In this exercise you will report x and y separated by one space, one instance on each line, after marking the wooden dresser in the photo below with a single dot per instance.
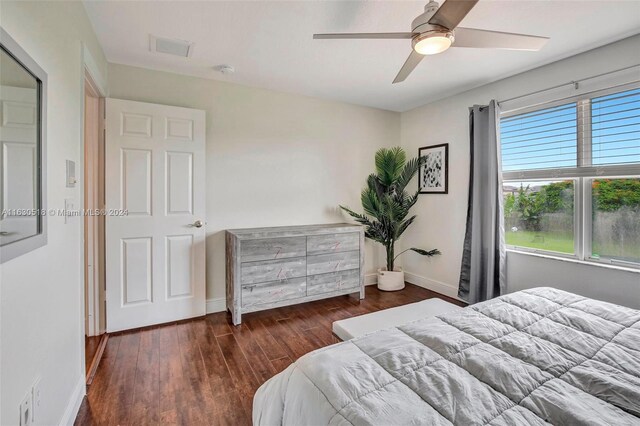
272 267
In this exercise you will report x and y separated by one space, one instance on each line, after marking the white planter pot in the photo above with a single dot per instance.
390 280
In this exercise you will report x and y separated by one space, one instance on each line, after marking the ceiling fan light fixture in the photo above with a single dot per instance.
434 31
433 42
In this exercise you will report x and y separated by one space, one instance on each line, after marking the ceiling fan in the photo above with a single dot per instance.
436 30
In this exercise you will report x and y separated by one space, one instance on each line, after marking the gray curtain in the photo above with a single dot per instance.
483 260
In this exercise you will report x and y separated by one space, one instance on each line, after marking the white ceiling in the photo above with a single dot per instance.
270 43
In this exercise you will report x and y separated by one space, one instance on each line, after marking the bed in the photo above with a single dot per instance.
533 357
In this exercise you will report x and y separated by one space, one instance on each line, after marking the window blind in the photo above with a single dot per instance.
601 131
542 139
615 128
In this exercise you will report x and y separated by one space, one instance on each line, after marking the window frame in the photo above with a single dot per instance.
583 175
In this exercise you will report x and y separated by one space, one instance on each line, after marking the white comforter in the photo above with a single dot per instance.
531 357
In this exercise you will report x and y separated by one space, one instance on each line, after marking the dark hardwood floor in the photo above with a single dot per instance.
206 371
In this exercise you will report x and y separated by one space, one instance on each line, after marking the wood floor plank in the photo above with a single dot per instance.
121 386
321 335
146 393
318 312
228 413
220 381
252 351
310 334
281 363
294 346
220 323
309 319
206 371
271 347
171 378
244 379
196 389
93 406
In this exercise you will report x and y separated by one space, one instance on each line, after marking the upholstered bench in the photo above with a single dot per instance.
350 328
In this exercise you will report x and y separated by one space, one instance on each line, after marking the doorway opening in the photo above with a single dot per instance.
94 228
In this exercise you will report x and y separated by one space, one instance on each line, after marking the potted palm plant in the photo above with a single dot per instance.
386 206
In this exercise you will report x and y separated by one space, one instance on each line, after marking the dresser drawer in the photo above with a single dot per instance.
333 262
332 243
334 281
273 270
272 248
273 292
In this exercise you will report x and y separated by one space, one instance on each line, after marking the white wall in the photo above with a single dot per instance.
40 302
441 218
596 281
272 158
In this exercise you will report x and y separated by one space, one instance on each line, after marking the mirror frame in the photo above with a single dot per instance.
25 245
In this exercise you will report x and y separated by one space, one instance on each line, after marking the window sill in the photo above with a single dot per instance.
574 260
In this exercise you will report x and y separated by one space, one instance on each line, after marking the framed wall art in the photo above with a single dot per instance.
433 177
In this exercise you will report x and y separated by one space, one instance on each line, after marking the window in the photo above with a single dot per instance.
540 215
616 219
571 173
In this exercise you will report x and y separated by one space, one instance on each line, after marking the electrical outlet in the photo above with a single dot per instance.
26 410
36 394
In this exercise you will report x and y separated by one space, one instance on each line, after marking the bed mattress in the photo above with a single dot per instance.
533 357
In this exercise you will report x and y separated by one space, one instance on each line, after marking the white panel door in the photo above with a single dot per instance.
155 238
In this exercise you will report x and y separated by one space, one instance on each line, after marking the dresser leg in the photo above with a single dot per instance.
236 317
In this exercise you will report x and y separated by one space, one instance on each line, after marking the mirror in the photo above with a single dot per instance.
22 214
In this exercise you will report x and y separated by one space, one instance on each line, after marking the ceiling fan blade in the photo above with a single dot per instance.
365 36
452 12
412 61
470 37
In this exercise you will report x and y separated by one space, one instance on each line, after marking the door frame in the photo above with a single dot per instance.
89 73
93 172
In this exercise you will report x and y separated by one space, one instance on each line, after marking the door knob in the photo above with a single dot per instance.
197 224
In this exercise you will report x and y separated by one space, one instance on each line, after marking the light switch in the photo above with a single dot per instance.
71 174
69 209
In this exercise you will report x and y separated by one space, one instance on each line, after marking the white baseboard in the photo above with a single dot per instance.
371 279
433 285
71 412
219 304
